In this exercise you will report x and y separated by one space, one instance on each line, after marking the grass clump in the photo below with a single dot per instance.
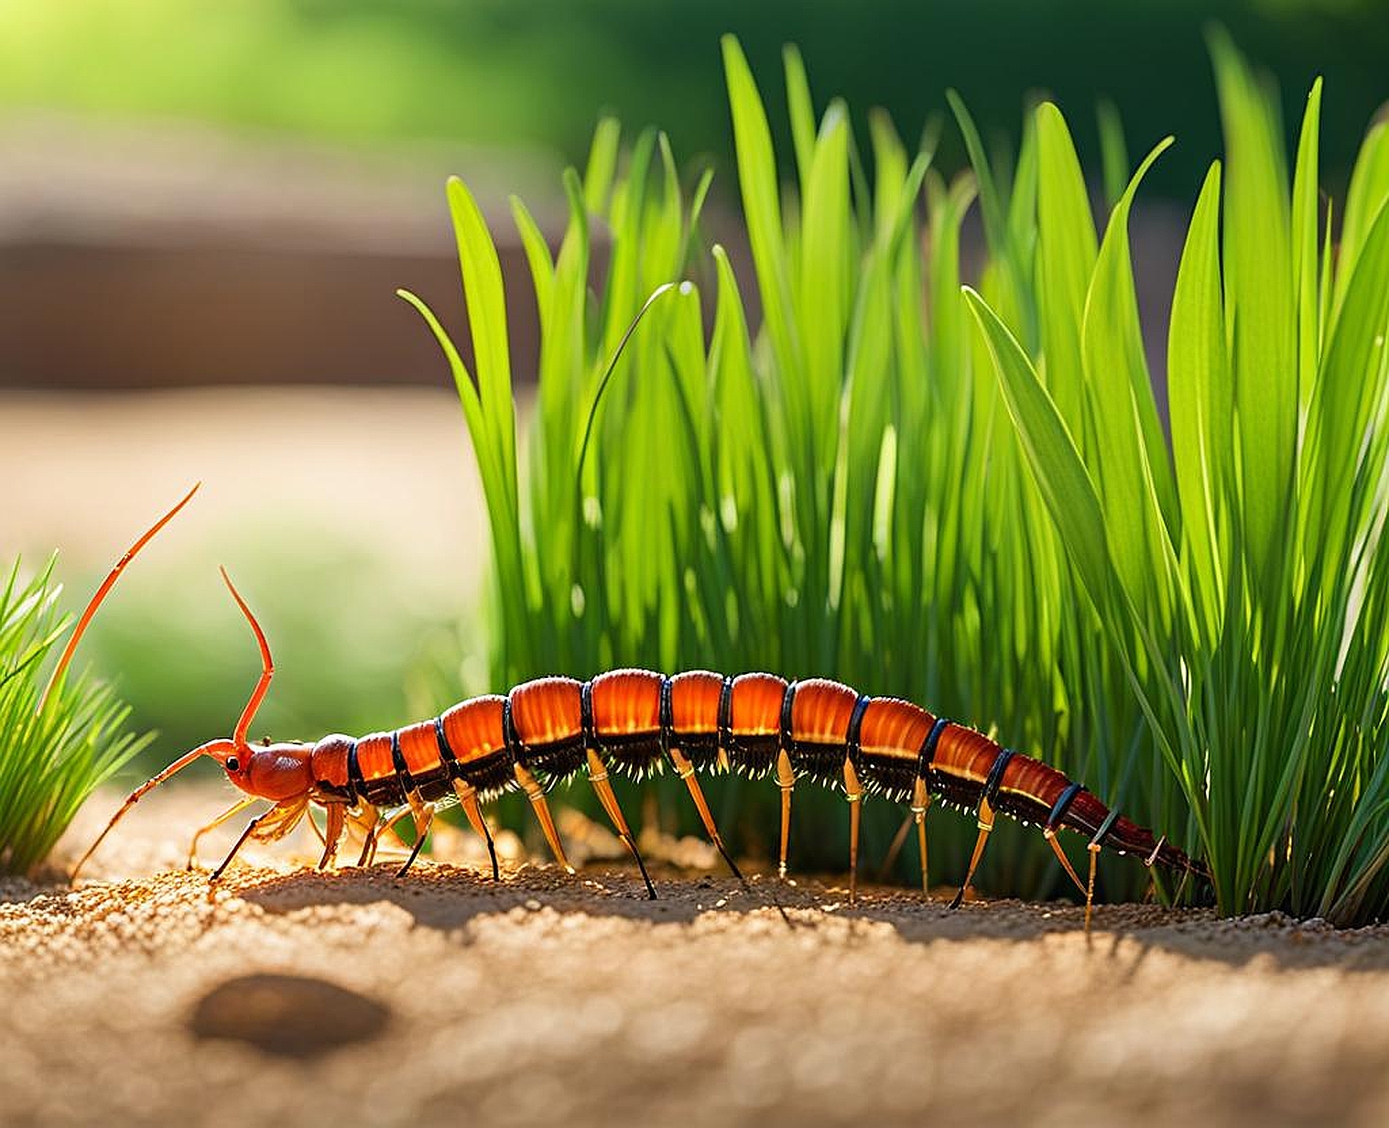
1239 573
55 750
839 495
970 499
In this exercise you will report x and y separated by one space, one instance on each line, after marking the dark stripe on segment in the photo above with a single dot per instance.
788 703
990 792
355 782
509 737
446 752
586 730
667 718
1105 828
726 714
851 738
1062 805
402 769
928 747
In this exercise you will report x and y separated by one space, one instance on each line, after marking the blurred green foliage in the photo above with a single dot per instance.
536 73
353 651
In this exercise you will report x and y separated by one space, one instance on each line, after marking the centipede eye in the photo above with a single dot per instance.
233 764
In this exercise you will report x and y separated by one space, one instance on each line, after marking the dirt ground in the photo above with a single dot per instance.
356 997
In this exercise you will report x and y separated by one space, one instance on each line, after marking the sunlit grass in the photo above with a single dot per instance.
1239 573
1195 631
54 751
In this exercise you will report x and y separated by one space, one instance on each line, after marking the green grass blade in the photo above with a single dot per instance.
1199 398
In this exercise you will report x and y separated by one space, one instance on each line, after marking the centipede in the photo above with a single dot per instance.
637 722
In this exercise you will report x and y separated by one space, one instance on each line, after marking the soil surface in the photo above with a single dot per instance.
356 997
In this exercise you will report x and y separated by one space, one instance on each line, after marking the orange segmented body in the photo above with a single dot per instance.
633 719
636 722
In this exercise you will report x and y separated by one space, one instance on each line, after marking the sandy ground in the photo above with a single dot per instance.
360 998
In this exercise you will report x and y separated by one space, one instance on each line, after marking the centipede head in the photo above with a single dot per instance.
266 771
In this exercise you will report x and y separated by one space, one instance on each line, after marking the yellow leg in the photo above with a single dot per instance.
423 815
1050 836
598 776
1090 886
986 824
853 791
467 796
376 833
229 813
921 799
685 770
536 794
786 780
337 823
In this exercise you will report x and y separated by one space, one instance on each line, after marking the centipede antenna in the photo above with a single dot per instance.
136 795
101 592
267 667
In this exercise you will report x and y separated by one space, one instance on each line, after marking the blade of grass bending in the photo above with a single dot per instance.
757 179
1259 292
102 591
800 107
1114 152
612 367
1061 475
1369 184
1306 247
1066 253
1131 465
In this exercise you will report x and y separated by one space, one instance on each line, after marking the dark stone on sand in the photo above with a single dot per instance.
287 1015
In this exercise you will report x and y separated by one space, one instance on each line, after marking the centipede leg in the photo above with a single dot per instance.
1050 835
986 824
229 813
536 794
423 814
853 791
1090 885
332 834
598 776
921 799
467 797
251 826
378 831
685 770
786 780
